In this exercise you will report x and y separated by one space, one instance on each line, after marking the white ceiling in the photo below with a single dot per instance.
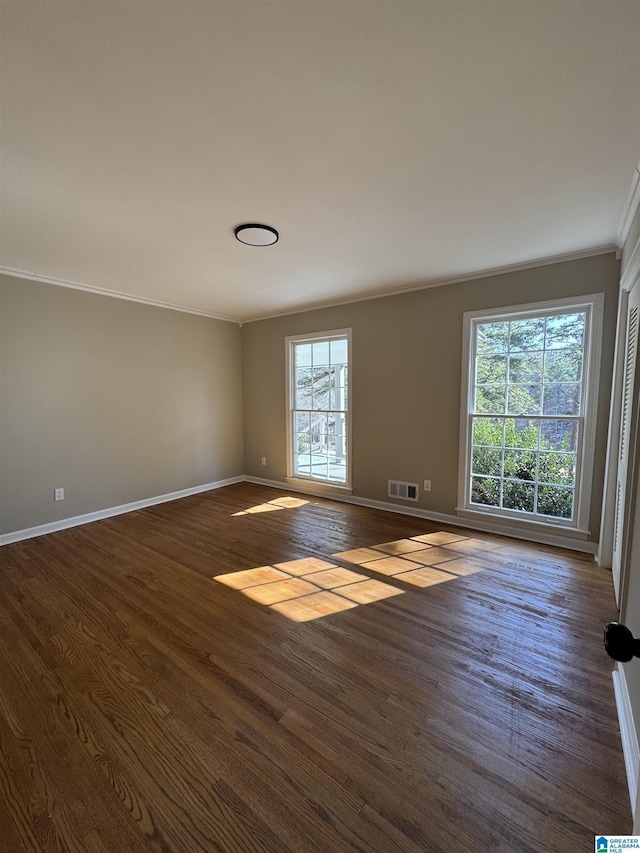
391 143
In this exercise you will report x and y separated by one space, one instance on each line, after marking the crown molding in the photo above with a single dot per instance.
630 209
426 285
115 294
442 282
631 272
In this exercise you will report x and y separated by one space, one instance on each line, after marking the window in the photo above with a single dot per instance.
319 427
528 419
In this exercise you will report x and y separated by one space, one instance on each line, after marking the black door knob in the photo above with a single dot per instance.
619 642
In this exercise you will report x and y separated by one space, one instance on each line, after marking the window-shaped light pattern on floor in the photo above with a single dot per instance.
310 588
273 506
422 561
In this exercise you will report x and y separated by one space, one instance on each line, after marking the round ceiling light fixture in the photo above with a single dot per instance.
254 234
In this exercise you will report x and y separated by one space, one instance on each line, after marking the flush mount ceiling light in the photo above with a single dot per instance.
253 234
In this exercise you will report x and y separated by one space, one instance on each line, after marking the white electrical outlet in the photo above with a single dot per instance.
427 485
58 494
264 460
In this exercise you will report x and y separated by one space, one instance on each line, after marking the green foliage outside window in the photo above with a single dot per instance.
528 368
517 451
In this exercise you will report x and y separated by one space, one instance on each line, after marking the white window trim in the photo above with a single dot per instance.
594 303
322 486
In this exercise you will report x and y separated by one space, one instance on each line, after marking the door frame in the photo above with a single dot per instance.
604 556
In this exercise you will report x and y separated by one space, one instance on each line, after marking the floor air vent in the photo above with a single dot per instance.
404 491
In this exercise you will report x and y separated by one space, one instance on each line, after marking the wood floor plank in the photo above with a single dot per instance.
145 705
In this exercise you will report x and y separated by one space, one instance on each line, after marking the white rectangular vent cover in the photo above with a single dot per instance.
404 491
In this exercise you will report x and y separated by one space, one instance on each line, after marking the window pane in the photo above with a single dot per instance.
303 389
562 399
338 399
520 464
320 400
565 331
490 399
488 431
319 467
301 422
491 368
304 377
336 376
338 396
319 428
320 353
302 443
320 387
487 460
485 491
338 351
555 501
492 337
526 422
559 435
563 365
319 439
526 334
303 464
303 355
557 468
525 367
524 399
321 376
521 432
518 496
338 431
337 469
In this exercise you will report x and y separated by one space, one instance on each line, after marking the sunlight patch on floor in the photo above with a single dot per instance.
251 577
309 588
422 561
313 606
304 566
272 506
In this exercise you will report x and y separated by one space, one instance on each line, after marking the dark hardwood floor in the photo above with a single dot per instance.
443 693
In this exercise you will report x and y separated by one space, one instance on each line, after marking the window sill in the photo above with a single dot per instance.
522 523
316 485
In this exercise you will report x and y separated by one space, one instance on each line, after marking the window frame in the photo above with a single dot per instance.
292 475
593 305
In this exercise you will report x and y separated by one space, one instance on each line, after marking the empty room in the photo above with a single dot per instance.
319 445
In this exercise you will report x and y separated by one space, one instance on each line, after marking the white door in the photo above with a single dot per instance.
628 420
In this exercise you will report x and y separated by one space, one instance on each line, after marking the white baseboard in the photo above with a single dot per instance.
630 748
63 524
487 527
322 491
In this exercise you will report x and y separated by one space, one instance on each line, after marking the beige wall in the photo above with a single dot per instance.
114 401
406 376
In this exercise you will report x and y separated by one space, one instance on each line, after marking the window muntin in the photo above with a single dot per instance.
318 407
526 413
